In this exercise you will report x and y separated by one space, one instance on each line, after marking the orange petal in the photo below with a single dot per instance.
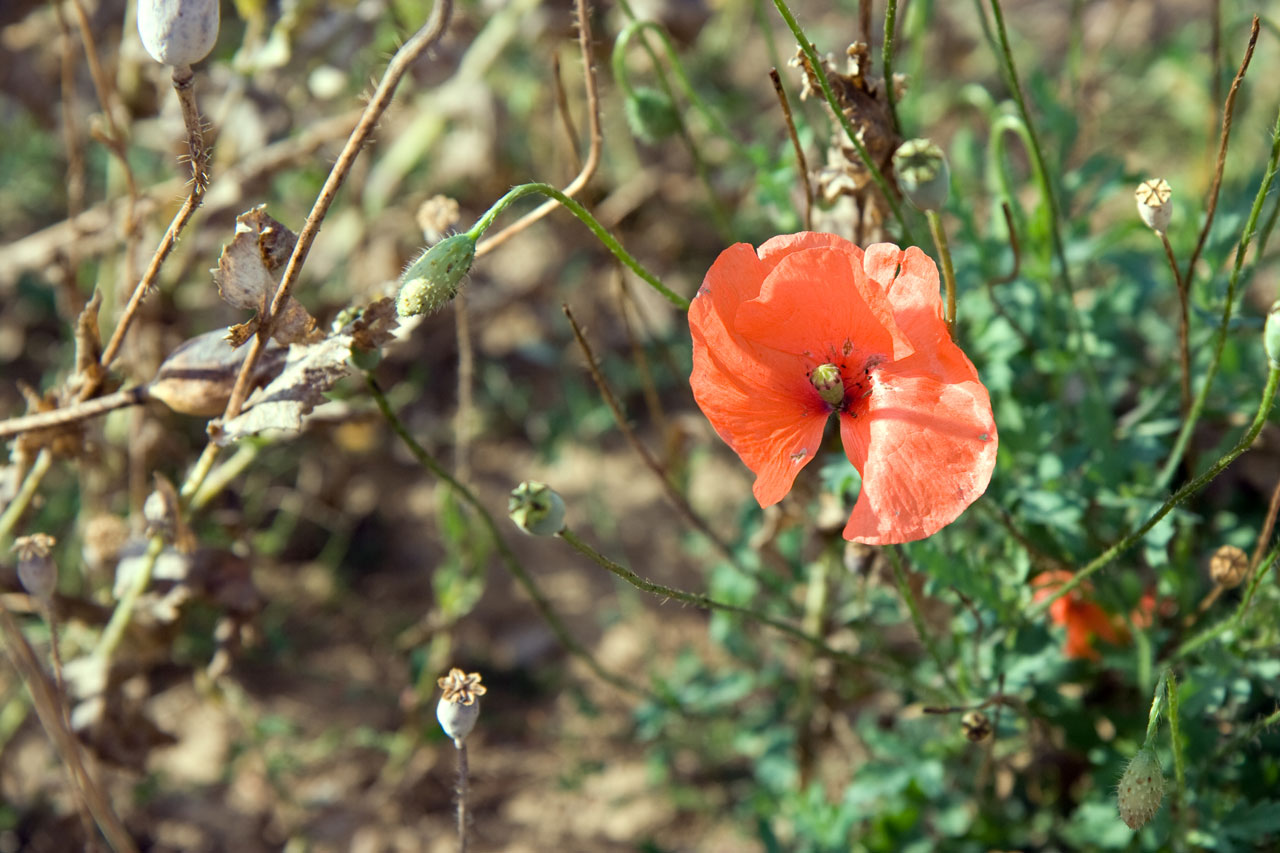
816 304
926 452
910 279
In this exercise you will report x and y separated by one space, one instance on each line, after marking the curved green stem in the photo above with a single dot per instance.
1211 371
508 556
948 270
123 614
706 602
819 73
27 491
610 242
620 75
917 619
1188 489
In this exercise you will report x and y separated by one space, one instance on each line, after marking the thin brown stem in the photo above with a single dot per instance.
464 783
595 144
465 415
1264 537
802 165
1228 112
73 413
673 495
53 719
562 109
70 135
378 103
627 307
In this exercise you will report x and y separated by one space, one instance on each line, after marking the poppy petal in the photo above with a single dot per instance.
910 279
817 297
926 451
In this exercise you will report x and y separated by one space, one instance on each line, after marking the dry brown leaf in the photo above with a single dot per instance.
249 270
375 324
309 371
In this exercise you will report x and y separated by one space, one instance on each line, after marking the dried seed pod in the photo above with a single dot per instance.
36 568
459 706
976 726
1153 198
178 32
536 508
923 174
1229 566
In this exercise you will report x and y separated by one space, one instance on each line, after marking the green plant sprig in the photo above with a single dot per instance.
1191 487
1220 343
873 168
610 242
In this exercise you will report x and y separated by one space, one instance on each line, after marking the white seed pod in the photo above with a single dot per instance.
36 569
1153 197
178 32
457 719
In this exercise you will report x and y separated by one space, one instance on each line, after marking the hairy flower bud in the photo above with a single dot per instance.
1153 203
536 508
1141 789
36 568
431 281
459 706
178 32
651 115
1271 335
923 174
1229 566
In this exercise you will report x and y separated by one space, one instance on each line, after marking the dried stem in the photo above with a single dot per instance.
1264 536
802 165
405 57
562 109
464 780
53 718
70 134
1228 111
676 499
595 143
73 413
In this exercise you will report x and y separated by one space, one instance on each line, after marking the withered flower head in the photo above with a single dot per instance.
460 687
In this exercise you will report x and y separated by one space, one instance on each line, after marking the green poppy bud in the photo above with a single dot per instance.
431 281
1271 335
922 173
1141 789
536 509
651 114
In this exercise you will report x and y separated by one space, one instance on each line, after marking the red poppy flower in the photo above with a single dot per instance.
810 325
1084 619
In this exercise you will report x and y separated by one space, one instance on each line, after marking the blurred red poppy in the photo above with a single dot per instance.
810 325
1084 619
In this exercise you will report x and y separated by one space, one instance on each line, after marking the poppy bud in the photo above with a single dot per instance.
1271 335
976 726
1141 789
1153 203
826 378
651 114
923 174
459 706
1229 566
431 281
178 32
536 508
36 568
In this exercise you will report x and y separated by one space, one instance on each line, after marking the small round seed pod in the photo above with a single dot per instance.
36 569
459 706
1153 203
536 508
976 726
923 174
431 281
1229 566
178 32
1141 789
1271 335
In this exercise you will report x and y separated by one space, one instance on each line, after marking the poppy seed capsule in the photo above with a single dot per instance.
1153 203
1229 566
459 705
923 174
536 509
1141 789
1271 335
178 32
431 281
36 569
826 379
